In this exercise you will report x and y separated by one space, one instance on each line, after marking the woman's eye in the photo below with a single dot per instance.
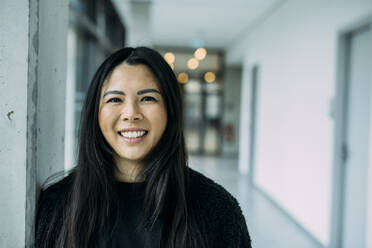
148 99
115 99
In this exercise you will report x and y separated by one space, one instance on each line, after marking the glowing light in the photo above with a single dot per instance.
169 57
200 53
209 77
183 77
192 64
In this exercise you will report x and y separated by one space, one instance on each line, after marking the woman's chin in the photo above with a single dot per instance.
129 158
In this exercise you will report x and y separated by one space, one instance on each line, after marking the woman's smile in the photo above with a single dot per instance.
133 135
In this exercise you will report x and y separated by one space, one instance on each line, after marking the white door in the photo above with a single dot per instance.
357 138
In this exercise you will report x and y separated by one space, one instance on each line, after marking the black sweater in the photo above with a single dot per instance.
216 211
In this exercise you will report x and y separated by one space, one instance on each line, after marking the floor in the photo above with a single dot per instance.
267 225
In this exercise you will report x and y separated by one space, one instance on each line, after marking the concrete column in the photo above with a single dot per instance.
32 81
14 31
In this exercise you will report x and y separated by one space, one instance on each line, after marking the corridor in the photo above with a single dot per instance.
277 92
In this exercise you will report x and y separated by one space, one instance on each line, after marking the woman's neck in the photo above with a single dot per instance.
128 171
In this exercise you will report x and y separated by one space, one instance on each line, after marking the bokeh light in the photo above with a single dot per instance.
209 77
182 77
200 53
192 63
169 57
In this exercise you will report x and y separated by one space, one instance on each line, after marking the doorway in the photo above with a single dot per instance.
352 138
203 117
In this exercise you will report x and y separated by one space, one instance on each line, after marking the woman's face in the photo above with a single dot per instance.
132 113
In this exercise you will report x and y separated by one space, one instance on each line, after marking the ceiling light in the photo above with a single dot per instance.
192 63
209 77
182 77
169 57
200 53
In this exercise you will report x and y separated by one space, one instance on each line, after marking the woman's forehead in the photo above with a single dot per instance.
131 76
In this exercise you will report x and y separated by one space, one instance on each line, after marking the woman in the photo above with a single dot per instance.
132 186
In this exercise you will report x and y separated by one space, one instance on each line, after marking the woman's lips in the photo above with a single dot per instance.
133 136
134 140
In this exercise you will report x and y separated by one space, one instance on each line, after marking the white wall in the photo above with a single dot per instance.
296 51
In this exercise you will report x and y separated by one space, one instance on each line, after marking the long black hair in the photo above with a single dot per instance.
91 198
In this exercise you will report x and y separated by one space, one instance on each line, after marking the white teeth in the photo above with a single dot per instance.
132 134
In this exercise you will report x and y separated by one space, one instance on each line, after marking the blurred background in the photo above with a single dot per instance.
277 101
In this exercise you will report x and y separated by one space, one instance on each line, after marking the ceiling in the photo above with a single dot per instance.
217 24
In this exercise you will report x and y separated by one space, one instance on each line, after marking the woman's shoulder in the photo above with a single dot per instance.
208 191
54 193
50 206
58 187
217 207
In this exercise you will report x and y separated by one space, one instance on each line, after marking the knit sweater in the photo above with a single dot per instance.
216 211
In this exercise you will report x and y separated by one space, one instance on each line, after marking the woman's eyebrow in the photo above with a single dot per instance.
119 92
116 92
140 92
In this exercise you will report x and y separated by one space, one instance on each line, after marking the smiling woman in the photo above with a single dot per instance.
132 186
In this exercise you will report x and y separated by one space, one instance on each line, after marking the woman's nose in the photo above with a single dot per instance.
131 112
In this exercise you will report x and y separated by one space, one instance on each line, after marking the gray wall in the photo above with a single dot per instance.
32 79
231 115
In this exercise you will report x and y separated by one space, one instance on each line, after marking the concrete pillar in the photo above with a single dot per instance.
32 81
14 31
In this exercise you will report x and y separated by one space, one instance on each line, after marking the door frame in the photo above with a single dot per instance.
340 127
254 86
